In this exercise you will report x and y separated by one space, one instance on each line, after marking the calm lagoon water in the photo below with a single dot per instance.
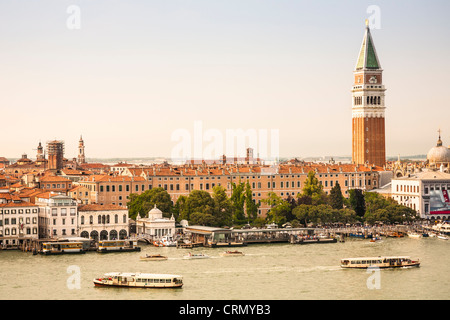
266 272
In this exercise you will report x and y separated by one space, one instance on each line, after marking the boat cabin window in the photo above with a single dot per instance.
154 280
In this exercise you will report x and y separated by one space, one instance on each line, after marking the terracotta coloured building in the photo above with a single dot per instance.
55 152
55 183
285 180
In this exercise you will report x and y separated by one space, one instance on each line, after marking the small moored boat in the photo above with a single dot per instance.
380 262
155 257
139 280
165 241
395 235
414 235
442 237
232 253
375 239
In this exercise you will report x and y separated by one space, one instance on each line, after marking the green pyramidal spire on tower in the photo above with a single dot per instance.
367 58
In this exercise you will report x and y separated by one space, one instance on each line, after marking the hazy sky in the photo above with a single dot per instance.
132 73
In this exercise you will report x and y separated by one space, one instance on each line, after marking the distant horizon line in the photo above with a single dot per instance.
308 158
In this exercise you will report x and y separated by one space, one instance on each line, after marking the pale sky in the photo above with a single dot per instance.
135 72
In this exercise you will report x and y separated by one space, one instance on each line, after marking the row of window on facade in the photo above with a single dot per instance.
15 231
104 219
416 189
104 235
374 100
14 211
436 187
56 186
63 211
13 221
407 188
255 185
63 232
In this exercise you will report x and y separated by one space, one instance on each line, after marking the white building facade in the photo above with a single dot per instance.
426 192
58 216
18 222
103 222
155 226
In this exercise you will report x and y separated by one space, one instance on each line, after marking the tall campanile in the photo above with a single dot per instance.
368 132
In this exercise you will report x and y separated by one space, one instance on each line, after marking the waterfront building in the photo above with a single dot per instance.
58 217
103 222
18 222
368 106
154 225
426 192
284 180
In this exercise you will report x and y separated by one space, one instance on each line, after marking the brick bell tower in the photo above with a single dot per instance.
368 129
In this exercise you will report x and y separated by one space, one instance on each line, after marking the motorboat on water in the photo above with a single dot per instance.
375 238
414 235
442 236
154 257
379 262
139 280
232 253
195 256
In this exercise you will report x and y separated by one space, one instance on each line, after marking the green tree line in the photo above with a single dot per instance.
311 206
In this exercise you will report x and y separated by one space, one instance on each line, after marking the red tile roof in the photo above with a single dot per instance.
99 207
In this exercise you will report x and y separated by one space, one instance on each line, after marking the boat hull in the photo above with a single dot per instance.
54 253
411 265
195 257
103 250
153 258
102 284
232 254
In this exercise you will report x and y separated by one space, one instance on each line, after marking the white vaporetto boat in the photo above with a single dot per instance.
117 246
380 262
139 280
52 248
196 256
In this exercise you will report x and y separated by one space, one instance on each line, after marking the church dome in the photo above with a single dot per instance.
155 213
439 153
155 210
